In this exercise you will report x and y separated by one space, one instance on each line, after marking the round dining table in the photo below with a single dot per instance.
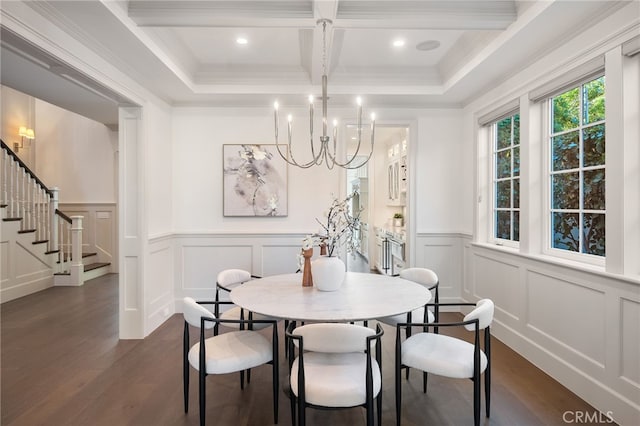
362 296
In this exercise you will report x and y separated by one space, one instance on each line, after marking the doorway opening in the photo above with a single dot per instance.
382 186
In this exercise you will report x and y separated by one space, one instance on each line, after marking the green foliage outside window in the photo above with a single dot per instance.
507 178
578 169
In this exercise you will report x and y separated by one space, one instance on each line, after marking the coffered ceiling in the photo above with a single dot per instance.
187 52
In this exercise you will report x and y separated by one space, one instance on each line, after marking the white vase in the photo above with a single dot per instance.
328 273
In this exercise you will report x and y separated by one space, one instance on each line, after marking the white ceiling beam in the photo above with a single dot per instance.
238 13
423 14
426 14
325 9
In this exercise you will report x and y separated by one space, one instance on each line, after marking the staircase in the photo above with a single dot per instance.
91 269
40 245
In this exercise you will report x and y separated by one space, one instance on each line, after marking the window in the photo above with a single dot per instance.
506 178
577 169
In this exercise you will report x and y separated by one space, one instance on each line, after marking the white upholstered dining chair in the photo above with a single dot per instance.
334 368
427 278
226 281
229 352
449 356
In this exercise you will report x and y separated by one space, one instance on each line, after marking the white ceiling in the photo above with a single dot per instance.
186 52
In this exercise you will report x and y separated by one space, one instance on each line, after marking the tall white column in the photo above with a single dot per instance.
53 202
77 268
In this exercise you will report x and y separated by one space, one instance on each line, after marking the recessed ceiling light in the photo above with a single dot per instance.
242 40
428 45
398 43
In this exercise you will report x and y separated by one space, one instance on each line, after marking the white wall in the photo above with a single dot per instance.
18 109
577 322
157 208
198 135
206 242
75 154
439 175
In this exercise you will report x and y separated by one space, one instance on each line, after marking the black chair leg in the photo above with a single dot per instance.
286 327
424 382
379 407
248 376
487 390
185 366
476 401
293 402
487 371
242 379
398 392
202 396
276 391
301 412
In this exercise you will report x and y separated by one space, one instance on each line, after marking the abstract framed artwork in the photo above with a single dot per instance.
255 181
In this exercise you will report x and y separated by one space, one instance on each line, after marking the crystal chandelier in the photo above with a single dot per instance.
324 154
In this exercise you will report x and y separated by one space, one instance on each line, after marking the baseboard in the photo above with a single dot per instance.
25 289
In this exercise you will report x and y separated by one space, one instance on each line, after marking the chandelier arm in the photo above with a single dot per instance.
347 165
289 158
292 161
324 154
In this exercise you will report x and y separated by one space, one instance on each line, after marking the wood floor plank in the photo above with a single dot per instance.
63 364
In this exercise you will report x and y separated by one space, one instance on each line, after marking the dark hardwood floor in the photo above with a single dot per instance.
62 364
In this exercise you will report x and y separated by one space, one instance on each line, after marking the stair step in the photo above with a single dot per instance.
87 268
52 251
67 256
2 206
26 231
40 242
92 266
12 219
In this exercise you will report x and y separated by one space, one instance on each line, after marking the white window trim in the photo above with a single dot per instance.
547 248
491 130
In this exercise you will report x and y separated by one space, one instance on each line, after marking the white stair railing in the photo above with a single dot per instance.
26 198
64 242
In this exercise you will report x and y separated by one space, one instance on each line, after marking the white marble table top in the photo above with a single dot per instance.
362 296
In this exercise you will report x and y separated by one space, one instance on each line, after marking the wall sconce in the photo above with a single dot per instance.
23 133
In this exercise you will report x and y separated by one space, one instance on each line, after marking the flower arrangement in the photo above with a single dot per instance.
337 227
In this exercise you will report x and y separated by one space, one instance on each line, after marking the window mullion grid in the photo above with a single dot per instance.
581 163
511 186
494 214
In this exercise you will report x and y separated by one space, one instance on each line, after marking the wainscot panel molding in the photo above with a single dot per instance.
443 252
24 266
159 295
579 325
100 229
200 257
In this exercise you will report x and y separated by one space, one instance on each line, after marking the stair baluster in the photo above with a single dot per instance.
5 159
25 197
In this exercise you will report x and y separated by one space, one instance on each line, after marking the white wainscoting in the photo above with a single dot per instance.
159 272
199 259
99 229
24 266
443 253
579 326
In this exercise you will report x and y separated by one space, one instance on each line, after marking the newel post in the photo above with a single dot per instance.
53 204
77 268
